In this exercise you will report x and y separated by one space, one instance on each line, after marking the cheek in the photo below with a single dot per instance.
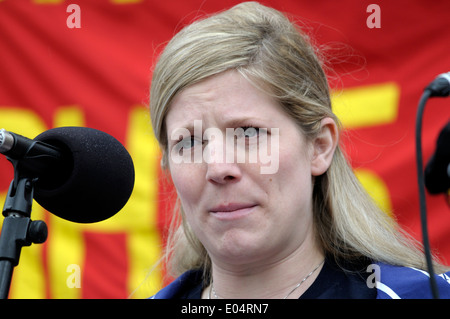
293 181
187 183
294 162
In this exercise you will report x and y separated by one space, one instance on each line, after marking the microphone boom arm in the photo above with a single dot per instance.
18 229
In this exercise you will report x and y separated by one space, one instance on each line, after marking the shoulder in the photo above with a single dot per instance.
182 287
396 282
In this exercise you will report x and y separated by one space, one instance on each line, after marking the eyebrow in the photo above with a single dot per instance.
235 122
228 123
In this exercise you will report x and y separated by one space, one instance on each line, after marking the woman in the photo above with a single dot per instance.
295 223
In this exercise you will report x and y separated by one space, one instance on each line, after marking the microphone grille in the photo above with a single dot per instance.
99 175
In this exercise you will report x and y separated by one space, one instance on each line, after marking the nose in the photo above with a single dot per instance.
223 173
221 169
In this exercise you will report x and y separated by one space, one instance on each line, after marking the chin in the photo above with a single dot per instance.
240 248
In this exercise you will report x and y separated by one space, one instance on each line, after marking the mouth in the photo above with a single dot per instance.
232 211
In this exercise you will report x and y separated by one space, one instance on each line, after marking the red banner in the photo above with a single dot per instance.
88 63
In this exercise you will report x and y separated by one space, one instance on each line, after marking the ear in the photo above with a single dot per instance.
324 146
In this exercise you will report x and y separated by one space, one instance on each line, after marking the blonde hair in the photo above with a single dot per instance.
270 51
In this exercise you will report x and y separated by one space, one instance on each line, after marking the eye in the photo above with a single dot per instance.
188 143
251 131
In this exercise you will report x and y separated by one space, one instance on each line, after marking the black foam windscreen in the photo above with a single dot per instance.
93 181
437 179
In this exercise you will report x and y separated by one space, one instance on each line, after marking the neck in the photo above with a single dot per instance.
272 279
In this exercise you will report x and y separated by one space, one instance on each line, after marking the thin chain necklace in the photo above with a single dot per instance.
213 291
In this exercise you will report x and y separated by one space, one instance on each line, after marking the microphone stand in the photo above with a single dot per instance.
18 229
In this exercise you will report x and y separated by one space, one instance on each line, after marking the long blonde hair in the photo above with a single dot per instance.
271 52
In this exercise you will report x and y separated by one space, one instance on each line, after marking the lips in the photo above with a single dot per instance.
230 207
232 210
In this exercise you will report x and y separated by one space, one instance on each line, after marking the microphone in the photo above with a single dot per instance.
437 171
440 86
35 157
82 175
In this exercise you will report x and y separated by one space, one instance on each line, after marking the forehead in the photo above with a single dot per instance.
226 96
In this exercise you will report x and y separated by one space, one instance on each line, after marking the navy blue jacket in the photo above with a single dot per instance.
381 281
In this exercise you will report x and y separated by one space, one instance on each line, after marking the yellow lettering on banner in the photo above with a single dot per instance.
367 106
28 278
69 116
65 247
376 188
144 242
65 243
21 121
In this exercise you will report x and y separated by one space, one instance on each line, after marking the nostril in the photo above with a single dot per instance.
223 173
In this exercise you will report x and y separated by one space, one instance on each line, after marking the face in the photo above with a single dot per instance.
241 215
